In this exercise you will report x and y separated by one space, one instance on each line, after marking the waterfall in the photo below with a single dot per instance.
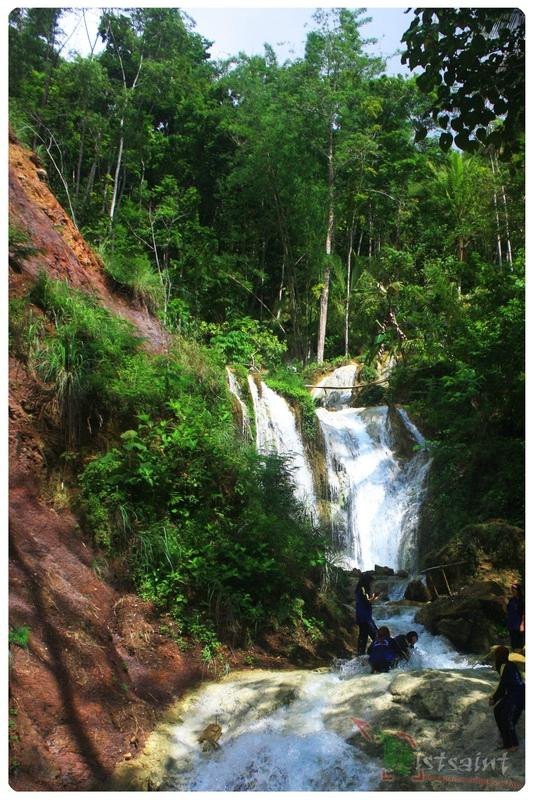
246 429
343 379
277 432
374 495
376 468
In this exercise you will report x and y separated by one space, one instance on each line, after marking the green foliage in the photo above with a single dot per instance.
20 636
288 382
81 356
470 56
215 215
244 341
134 271
210 530
20 245
471 399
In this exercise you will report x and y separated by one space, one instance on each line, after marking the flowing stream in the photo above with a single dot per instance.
298 730
291 730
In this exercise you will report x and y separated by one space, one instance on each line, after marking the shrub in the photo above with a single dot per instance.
209 527
134 271
244 341
20 636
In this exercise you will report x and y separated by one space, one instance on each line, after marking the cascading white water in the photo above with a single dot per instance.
290 731
276 432
374 495
246 429
343 380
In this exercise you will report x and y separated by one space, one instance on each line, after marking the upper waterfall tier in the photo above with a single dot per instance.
339 385
374 494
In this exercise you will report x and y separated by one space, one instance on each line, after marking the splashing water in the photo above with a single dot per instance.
293 731
430 652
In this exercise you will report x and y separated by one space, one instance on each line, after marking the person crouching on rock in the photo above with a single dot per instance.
363 612
508 699
382 654
516 618
404 644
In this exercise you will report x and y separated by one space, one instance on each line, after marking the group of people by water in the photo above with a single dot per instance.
386 652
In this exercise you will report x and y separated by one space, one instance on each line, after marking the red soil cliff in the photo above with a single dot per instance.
97 669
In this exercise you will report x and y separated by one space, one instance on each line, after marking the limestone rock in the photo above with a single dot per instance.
471 620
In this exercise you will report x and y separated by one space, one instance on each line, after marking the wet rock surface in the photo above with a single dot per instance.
417 730
472 620
418 591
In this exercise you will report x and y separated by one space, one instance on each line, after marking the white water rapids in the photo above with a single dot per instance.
373 493
299 730
289 731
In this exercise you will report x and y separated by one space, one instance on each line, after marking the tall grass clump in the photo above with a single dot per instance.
25 330
133 271
81 356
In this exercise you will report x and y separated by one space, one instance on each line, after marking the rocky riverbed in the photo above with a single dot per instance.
426 727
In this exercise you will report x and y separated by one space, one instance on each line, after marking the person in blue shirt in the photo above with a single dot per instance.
382 653
404 644
509 699
363 612
516 618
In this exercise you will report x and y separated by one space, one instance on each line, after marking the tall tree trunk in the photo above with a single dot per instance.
497 213
90 182
509 254
461 248
117 171
329 240
348 288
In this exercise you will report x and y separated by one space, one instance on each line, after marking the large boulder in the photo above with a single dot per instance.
382 570
402 439
472 619
494 544
417 590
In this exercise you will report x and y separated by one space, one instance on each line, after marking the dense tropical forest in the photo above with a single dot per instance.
277 216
